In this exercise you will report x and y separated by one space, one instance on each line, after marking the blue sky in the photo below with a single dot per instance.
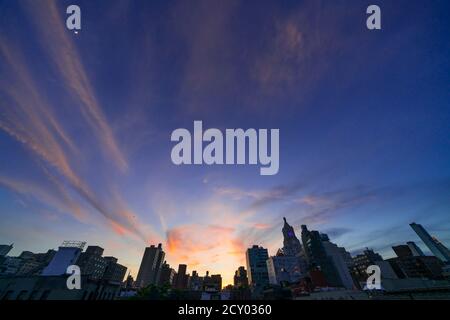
85 124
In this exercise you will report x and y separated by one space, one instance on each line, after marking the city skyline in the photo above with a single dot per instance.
154 253
86 119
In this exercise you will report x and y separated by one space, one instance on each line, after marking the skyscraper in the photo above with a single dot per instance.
150 268
317 256
256 265
291 258
181 279
436 247
291 244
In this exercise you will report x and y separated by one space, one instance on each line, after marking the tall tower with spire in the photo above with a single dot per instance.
291 244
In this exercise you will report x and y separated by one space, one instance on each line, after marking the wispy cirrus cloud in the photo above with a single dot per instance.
283 57
296 201
337 232
261 198
29 116
48 196
64 55
319 208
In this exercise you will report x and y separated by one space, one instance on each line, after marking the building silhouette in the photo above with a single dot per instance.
114 271
212 283
240 278
258 276
317 257
283 269
338 257
34 263
436 247
408 265
91 262
167 275
54 288
362 261
150 268
402 250
291 244
195 282
182 278
289 264
42 276
416 251
129 282
5 249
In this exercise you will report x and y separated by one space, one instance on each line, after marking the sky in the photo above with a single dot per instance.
86 120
